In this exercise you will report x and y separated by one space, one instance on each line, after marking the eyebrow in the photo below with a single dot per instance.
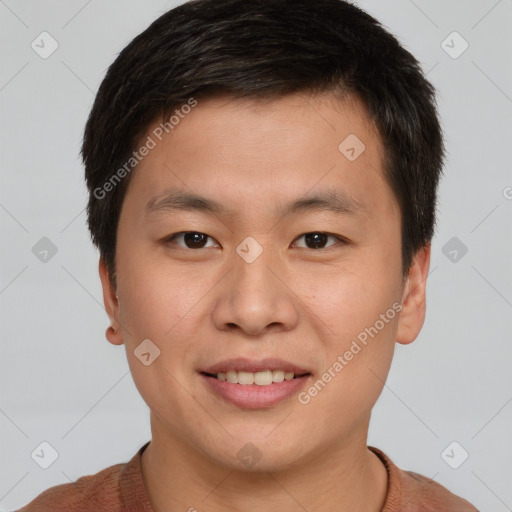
331 199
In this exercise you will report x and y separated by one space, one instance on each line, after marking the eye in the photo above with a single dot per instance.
197 240
318 239
192 239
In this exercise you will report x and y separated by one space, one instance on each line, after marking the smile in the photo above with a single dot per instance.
257 390
264 378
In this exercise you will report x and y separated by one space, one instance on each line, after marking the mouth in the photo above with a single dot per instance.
262 378
255 385
279 368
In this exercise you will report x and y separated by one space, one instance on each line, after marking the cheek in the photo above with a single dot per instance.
351 297
355 369
366 322
160 303
347 400
157 297
361 307
165 392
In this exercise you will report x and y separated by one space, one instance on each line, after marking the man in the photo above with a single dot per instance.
262 181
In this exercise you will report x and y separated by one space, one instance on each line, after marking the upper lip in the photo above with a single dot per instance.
248 365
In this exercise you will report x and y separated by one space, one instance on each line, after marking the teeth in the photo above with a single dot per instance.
277 376
246 377
232 377
264 378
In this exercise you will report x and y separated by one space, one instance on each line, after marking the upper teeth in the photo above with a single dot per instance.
261 378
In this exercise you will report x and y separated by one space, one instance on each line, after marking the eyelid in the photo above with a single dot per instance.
170 239
341 240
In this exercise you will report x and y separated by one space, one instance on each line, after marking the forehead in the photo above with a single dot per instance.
249 153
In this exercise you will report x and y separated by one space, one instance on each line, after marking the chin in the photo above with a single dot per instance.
262 453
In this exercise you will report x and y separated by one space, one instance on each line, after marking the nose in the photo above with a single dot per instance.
255 297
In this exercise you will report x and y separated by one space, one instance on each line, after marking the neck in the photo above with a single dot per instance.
178 477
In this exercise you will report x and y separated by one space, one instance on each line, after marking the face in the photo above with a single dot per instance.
298 260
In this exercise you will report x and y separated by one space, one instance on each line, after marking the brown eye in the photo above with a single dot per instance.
191 239
317 240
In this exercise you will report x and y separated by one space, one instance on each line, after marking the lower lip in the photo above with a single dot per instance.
253 396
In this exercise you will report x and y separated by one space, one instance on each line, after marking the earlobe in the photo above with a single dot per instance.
110 300
413 311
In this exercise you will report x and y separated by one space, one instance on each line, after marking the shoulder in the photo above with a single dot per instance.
90 492
420 493
411 492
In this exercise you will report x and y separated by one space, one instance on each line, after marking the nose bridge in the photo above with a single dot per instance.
254 283
253 277
253 297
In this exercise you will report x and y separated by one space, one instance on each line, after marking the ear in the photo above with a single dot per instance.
111 302
414 303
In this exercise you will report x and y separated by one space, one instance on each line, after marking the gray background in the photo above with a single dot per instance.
63 383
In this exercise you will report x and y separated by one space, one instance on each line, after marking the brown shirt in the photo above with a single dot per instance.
120 488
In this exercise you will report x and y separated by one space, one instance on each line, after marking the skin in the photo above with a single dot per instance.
296 302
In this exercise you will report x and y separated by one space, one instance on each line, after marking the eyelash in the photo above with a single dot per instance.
171 238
